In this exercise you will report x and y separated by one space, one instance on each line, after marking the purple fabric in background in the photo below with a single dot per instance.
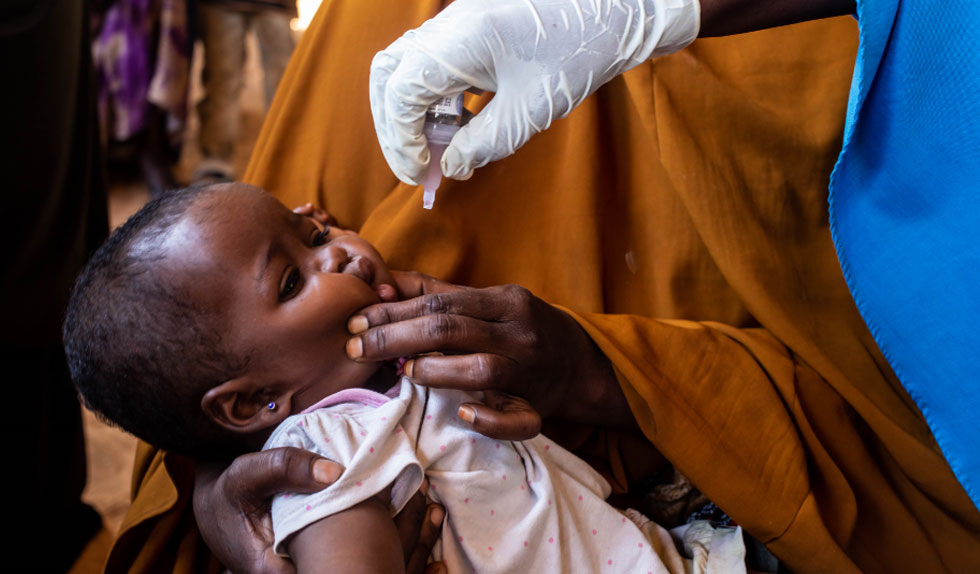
141 54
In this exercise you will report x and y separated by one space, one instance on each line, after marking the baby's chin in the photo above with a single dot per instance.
386 292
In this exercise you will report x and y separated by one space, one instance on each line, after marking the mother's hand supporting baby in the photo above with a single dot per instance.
494 339
232 506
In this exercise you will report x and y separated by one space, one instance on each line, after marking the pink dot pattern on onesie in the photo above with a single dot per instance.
498 445
491 513
623 520
460 538
609 563
594 532
363 433
522 487
300 423
428 417
442 448
466 501
580 498
547 447
490 548
525 544
308 507
358 483
504 477
398 430
384 418
371 449
551 541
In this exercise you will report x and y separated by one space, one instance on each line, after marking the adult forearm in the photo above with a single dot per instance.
726 17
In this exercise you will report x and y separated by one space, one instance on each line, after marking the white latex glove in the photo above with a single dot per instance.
542 58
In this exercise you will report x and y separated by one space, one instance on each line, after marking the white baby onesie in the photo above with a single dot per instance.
527 506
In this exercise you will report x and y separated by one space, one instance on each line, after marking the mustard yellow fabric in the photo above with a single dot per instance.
680 215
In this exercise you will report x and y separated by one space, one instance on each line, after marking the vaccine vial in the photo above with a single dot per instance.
442 121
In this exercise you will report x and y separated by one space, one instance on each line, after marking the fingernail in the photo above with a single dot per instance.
436 515
325 472
355 348
357 324
466 413
408 368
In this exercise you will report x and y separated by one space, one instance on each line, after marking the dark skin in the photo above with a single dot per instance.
499 338
239 496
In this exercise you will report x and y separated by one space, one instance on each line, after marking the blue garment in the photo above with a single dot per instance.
905 208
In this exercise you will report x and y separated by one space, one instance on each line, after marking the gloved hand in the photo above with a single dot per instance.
540 57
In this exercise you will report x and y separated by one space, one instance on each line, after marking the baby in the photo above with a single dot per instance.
213 322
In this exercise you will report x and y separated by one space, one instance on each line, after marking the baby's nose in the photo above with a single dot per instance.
332 259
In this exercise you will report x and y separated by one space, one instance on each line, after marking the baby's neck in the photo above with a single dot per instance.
384 378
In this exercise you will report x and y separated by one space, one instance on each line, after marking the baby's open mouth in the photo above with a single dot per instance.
361 268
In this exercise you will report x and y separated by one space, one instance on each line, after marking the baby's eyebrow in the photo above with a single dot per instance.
270 252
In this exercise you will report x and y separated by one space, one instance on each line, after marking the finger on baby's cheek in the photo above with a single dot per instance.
355 348
357 324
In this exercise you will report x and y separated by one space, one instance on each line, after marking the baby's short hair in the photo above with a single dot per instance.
141 353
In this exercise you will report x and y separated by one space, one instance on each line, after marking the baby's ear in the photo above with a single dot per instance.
245 405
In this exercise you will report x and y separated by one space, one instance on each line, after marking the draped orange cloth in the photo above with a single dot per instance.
680 215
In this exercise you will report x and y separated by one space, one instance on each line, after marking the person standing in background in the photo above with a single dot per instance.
54 214
142 58
223 25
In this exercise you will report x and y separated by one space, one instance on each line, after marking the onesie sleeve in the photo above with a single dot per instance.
371 445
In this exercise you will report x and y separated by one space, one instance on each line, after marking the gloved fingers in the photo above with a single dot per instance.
419 81
382 66
403 162
507 122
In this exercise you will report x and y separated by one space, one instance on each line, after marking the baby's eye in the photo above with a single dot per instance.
321 237
290 284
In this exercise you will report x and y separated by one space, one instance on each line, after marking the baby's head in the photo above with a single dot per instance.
213 314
